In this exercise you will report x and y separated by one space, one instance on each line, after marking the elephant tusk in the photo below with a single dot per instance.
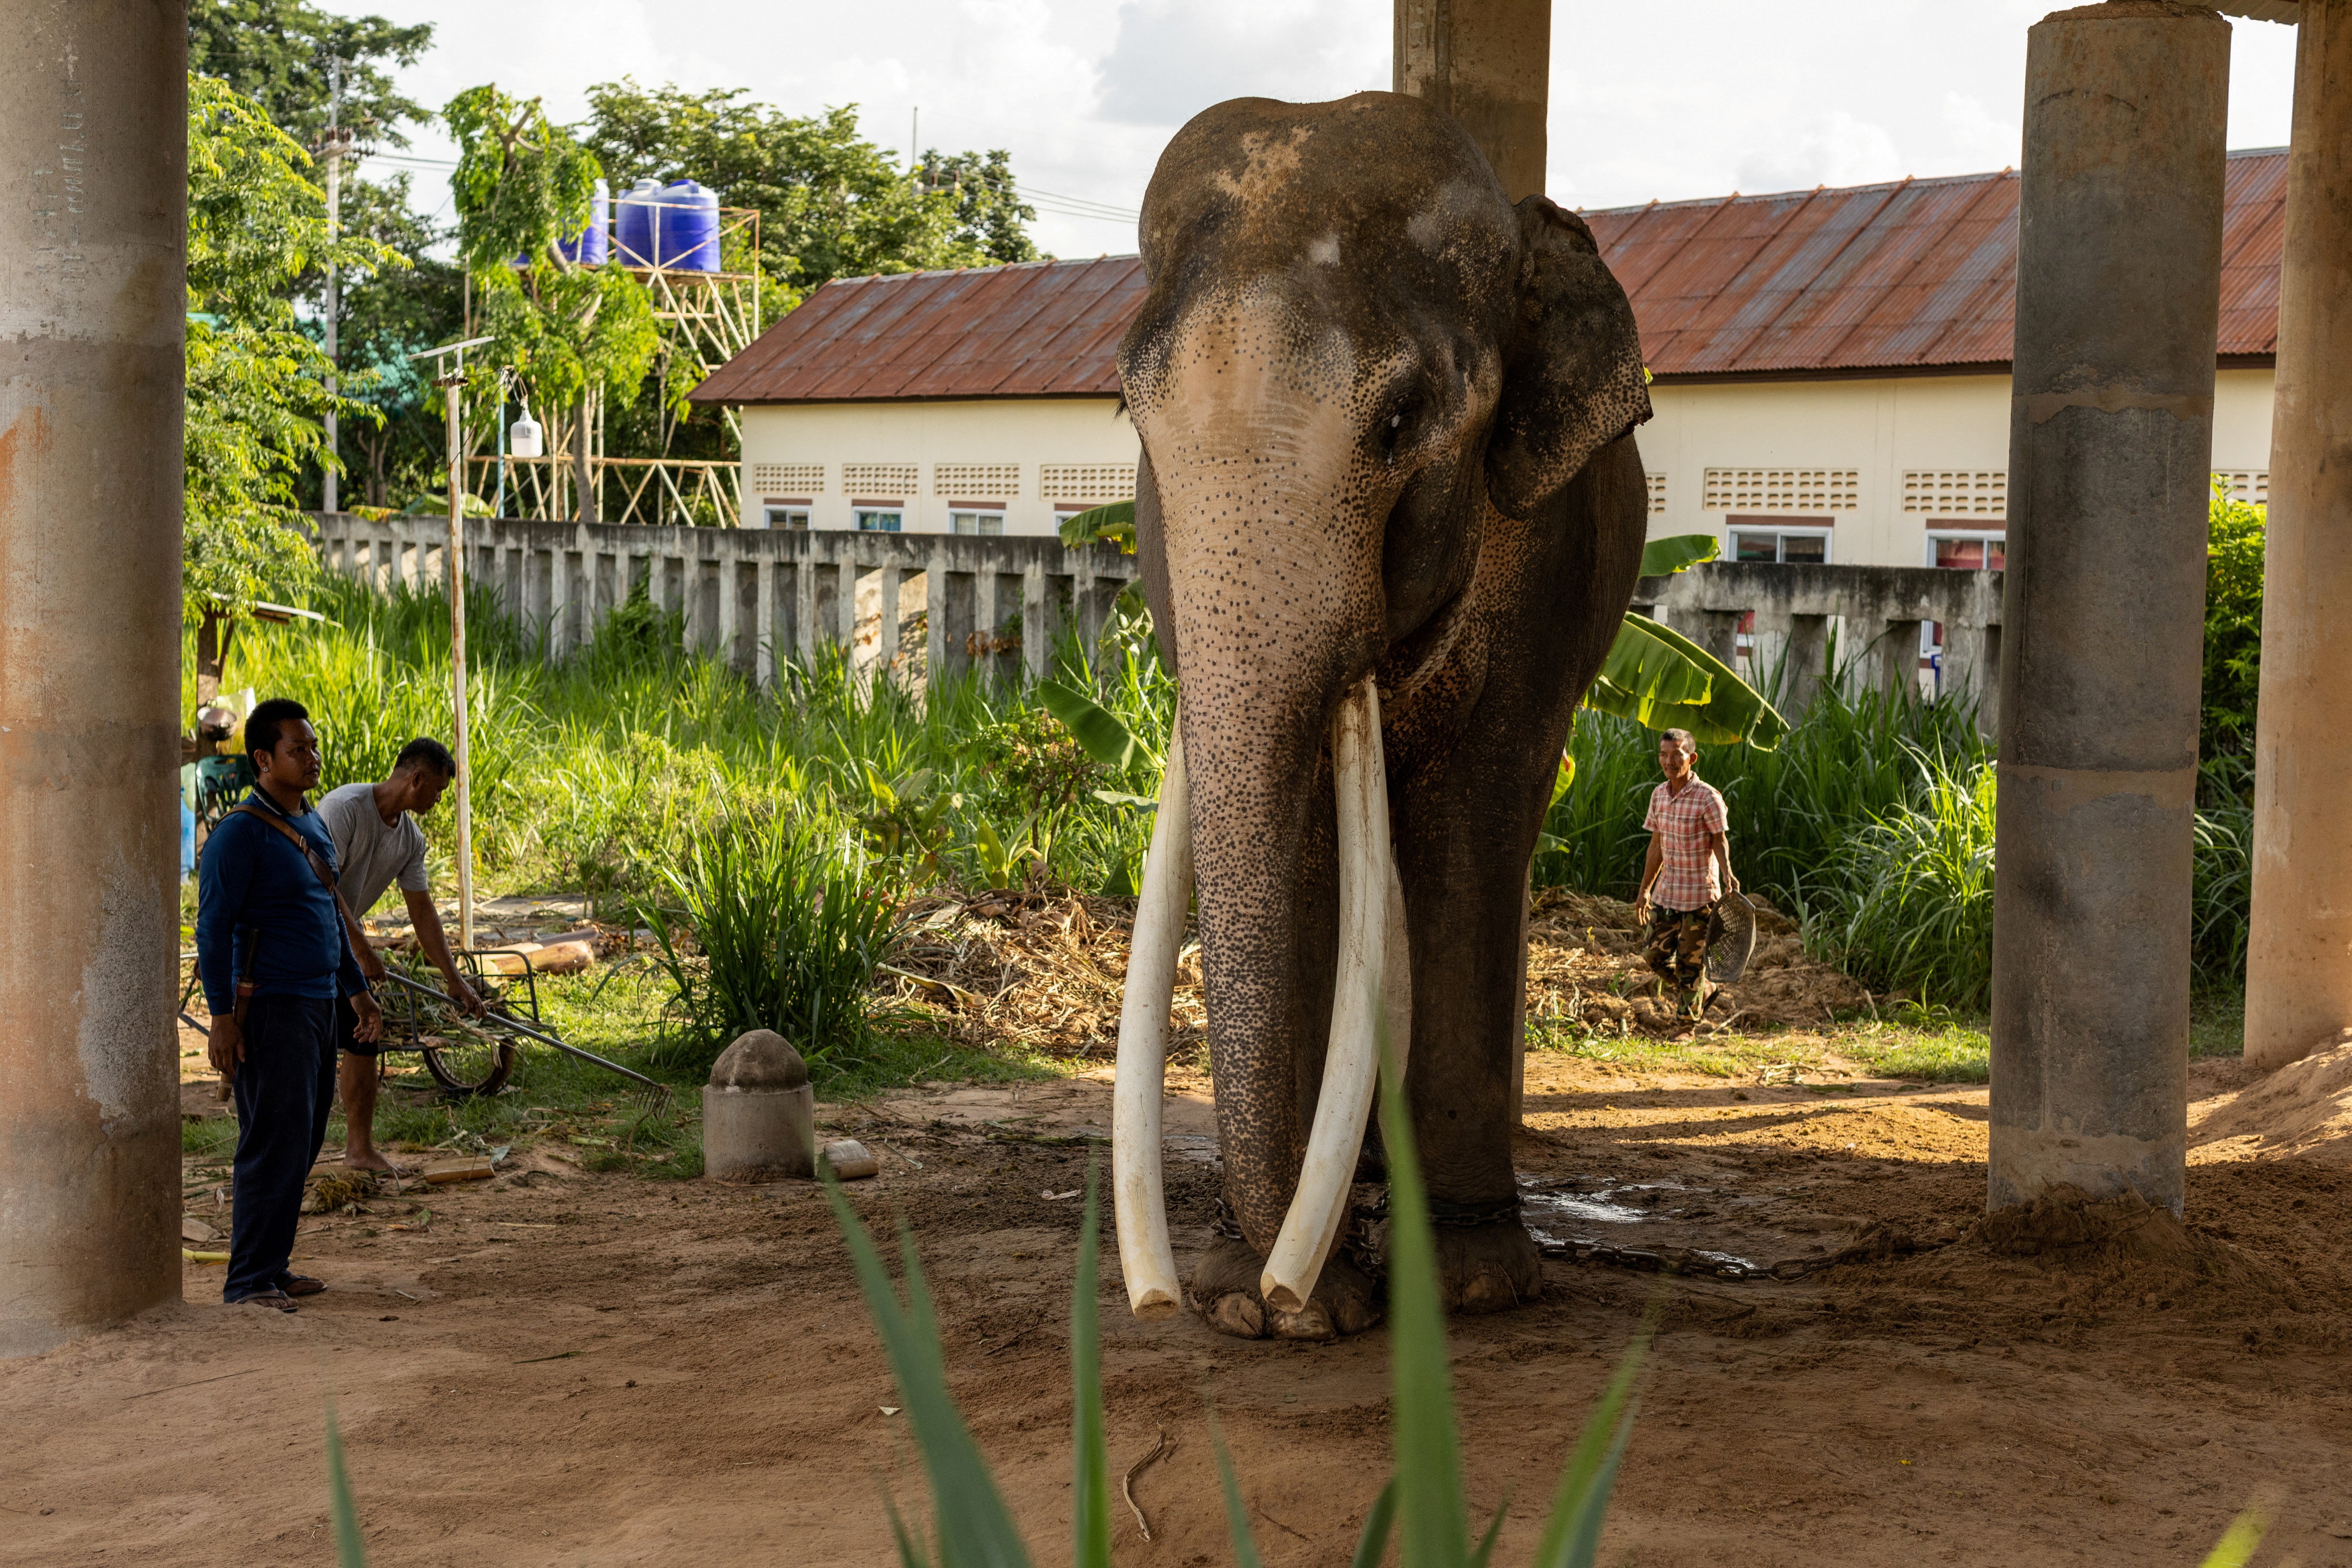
1371 939
1137 1200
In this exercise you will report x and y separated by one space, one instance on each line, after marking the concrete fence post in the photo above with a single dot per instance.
2299 955
93 112
2118 305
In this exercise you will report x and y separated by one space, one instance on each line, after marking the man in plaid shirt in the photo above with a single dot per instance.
1688 845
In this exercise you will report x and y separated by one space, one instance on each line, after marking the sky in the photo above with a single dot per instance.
1662 98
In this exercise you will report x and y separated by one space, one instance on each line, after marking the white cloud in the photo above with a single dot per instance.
1833 149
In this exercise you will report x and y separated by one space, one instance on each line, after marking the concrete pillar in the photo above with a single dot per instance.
93 116
2118 307
1488 64
2299 956
1036 624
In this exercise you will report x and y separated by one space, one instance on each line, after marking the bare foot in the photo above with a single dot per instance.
373 1160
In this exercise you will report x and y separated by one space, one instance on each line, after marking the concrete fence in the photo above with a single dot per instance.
749 594
1878 610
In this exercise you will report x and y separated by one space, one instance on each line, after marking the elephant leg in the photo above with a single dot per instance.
1224 1289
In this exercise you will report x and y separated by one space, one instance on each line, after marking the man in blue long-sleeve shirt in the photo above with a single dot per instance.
269 937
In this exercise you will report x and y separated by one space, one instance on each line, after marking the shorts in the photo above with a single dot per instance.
1676 950
345 1022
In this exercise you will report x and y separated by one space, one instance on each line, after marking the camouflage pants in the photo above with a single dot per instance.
1676 950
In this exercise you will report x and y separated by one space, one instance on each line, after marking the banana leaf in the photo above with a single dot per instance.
1114 524
1664 557
1662 681
1097 729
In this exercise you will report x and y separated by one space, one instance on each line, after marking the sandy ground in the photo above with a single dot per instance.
576 1369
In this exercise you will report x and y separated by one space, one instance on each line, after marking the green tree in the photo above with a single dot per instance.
570 334
388 314
990 213
276 53
2234 630
256 379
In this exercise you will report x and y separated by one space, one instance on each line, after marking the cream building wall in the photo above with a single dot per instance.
1878 468
1886 463
1025 459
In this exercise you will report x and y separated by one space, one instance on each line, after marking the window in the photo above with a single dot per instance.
792 516
878 522
1791 542
988 525
981 482
1966 551
1783 489
789 479
2248 485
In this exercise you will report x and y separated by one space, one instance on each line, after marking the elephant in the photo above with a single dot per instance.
1388 516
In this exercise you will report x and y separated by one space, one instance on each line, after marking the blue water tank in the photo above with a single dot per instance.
687 235
633 223
592 245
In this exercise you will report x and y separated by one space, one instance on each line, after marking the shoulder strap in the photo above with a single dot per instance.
319 867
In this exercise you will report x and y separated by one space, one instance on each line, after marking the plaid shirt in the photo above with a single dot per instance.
1687 878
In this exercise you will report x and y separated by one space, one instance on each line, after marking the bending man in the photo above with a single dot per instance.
377 841
1689 843
271 951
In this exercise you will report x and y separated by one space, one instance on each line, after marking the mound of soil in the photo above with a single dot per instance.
2303 1110
1584 962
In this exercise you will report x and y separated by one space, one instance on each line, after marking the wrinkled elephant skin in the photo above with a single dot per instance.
1386 420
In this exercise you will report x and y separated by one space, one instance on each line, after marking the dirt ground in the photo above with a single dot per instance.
566 1368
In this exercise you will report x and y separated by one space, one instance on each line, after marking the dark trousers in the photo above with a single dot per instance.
285 1089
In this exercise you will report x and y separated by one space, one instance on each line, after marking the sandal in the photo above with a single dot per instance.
277 1298
301 1285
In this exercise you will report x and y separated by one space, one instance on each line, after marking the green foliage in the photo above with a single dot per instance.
521 183
351 1548
256 379
1662 681
276 52
2233 627
1112 524
768 920
1680 553
388 313
1908 902
831 203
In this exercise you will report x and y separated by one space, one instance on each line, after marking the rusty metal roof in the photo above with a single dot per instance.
1042 329
1920 275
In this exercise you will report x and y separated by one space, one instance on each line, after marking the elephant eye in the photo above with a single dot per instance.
1393 432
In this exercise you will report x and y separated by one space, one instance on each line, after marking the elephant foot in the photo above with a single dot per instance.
1488 1267
1223 1291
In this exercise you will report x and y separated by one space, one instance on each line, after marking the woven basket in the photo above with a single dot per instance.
1730 938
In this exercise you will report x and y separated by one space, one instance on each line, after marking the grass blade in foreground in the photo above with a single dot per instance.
2239 1543
974 1528
1236 1514
1374 1542
350 1550
1090 1482
1428 1449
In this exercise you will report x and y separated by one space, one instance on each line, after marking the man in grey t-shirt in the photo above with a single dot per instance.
377 842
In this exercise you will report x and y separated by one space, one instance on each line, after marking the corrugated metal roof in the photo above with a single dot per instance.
1046 329
1919 274
1916 275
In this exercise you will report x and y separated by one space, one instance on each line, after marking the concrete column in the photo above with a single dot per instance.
938 658
2299 956
1718 633
1036 624
1488 64
93 116
763 623
728 643
892 578
2118 307
1898 651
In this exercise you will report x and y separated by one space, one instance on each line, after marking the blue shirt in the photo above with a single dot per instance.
260 907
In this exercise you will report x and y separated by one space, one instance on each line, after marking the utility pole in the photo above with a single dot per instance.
334 153
451 380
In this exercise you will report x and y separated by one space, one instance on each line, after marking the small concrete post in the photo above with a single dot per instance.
93 117
2118 306
1805 664
2299 956
1036 624
759 1112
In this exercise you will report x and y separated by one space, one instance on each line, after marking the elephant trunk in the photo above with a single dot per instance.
1273 574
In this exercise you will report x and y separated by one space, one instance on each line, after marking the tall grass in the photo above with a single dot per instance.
769 921
1908 900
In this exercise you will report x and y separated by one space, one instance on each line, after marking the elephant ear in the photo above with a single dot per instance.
1572 377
